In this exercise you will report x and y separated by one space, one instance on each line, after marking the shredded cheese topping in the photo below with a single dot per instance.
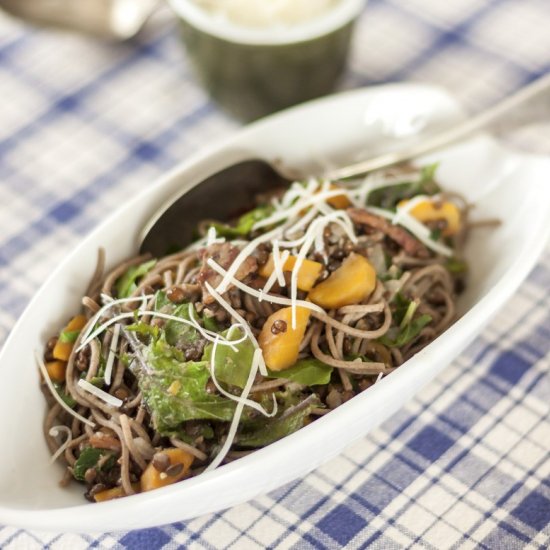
256 361
111 400
56 431
112 353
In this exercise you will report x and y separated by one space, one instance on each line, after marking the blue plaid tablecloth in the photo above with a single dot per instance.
467 463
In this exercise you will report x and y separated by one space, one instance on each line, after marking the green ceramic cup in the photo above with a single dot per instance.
252 72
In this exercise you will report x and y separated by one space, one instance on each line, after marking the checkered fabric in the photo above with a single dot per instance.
466 464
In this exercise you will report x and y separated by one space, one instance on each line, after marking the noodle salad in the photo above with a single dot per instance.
179 364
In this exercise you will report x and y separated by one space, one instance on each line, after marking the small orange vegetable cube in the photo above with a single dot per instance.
151 478
280 343
115 492
350 284
433 210
62 350
339 201
56 370
307 274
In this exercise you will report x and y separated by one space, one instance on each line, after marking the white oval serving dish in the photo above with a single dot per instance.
510 186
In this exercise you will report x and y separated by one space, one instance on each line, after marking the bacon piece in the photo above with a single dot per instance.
223 254
401 236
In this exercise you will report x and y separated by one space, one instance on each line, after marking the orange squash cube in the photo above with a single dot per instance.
56 370
339 201
350 284
430 211
280 343
62 350
307 274
151 478
115 492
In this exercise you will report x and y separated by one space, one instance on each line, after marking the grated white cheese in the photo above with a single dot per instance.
110 303
304 221
297 207
54 432
54 393
212 238
258 294
112 352
256 362
243 254
111 400
279 262
207 334
422 233
408 206
317 227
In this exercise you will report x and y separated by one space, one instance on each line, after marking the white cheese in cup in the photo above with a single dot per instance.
267 13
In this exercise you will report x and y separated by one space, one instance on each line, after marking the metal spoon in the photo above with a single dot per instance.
181 216
108 19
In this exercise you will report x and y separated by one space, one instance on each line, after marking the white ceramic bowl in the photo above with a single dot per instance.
509 186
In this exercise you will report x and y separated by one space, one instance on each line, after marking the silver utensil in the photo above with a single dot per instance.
179 217
108 19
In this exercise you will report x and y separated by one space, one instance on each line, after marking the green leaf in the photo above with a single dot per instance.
388 197
291 417
244 224
161 300
400 337
97 381
181 334
210 323
232 367
68 336
175 390
401 305
144 330
247 221
309 372
65 397
126 283
89 458
204 429
427 174
456 265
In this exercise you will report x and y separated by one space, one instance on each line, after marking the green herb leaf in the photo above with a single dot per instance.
126 284
175 390
97 381
388 197
232 367
456 265
68 336
244 224
65 397
144 329
161 300
181 335
89 458
210 323
309 372
401 305
396 339
291 417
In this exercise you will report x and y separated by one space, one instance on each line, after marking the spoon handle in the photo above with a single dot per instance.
531 103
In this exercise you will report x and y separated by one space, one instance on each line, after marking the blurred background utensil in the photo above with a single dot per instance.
108 19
